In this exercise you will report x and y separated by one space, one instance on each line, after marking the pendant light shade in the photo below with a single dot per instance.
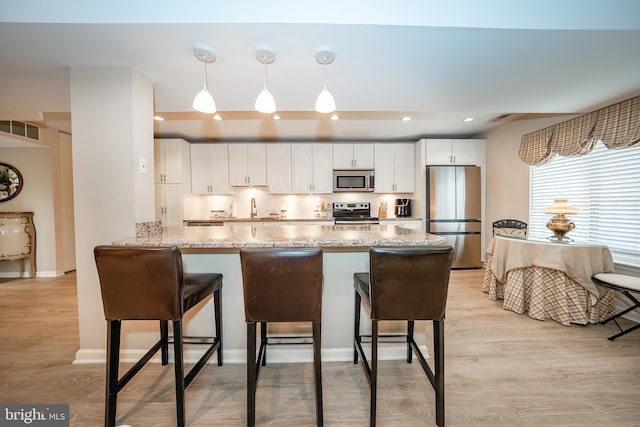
203 100
325 102
265 102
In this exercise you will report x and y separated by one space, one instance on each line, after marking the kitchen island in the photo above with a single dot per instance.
216 249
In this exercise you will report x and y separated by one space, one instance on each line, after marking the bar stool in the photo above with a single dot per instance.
404 283
148 283
281 285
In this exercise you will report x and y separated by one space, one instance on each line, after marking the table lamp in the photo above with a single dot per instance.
559 223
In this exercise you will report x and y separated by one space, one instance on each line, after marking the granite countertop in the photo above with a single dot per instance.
236 237
276 218
256 219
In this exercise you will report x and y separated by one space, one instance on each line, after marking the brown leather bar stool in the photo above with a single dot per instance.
147 283
405 283
281 285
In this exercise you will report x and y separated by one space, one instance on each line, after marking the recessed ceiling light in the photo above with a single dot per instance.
275 117
158 118
406 118
468 119
334 117
217 117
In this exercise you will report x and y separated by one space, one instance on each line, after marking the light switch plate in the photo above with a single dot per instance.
142 165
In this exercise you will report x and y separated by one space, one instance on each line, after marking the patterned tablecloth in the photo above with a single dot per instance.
549 280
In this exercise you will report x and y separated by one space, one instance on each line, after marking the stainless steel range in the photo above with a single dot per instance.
353 213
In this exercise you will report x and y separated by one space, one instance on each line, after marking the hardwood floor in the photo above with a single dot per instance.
501 369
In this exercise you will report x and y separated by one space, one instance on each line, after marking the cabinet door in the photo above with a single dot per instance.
301 168
169 204
257 164
384 165
464 151
322 170
343 156
238 164
363 156
219 168
279 168
209 169
168 160
403 168
247 164
200 169
438 152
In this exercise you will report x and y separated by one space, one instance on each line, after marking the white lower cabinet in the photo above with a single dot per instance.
169 204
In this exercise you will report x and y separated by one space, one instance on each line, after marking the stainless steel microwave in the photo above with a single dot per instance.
351 180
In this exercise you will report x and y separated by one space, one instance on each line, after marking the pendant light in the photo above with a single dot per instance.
325 102
265 103
203 101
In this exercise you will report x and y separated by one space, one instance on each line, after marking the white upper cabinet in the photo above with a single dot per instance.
353 156
311 169
279 168
453 152
169 158
395 168
209 169
247 164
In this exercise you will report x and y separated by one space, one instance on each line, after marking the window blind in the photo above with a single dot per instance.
605 185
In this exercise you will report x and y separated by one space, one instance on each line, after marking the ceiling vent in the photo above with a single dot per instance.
21 129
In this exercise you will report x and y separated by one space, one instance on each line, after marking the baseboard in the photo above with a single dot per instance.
25 275
275 354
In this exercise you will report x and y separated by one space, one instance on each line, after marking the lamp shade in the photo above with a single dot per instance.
561 206
265 103
325 102
204 102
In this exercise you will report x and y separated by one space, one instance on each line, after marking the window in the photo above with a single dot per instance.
605 185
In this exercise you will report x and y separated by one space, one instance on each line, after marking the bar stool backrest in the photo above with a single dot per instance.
139 283
282 285
409 283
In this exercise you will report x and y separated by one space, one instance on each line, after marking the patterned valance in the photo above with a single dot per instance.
617 126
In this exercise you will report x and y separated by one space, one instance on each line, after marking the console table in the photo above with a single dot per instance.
549 280
18 238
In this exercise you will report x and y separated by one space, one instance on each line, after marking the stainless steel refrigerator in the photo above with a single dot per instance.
454 211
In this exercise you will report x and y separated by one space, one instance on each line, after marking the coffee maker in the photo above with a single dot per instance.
403 207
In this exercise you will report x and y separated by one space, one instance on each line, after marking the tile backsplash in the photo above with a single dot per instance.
296 206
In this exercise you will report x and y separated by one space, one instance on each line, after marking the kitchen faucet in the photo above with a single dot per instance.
254 208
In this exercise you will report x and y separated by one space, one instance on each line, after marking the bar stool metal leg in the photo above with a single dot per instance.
410 327
179 371
217 303
252 374
113 362
317 370
374 370
356 336
438 341
164 339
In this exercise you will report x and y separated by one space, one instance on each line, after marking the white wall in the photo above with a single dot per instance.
112 110
507 174
37 196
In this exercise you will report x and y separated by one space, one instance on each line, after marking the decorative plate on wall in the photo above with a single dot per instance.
10 182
